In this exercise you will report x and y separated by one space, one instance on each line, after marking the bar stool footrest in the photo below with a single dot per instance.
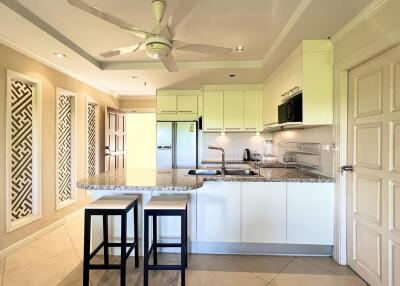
165 267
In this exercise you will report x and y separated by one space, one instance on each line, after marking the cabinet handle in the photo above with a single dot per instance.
169 111
185 111
233 128
251 128
213 128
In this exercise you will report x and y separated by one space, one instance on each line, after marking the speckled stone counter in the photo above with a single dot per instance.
179 180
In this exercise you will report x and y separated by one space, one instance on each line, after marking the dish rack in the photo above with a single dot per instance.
302 154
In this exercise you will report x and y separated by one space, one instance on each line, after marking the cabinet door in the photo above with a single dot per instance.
233 111
310 213
187 104
219 212
166 104
251 110
213 110
264 212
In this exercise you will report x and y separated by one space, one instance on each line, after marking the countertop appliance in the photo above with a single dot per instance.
177 144
291 110
246 155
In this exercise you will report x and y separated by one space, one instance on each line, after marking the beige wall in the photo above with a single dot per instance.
138 103
50 79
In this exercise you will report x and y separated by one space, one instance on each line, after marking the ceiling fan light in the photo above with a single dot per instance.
157 50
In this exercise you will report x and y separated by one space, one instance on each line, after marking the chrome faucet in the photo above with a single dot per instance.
223 156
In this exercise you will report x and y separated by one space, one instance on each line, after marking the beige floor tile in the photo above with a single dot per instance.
219 271
265 267
330 265
134 275
303 273
59 270
75 227
2 265
52 244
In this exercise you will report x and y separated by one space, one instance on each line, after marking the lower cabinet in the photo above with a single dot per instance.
310 213
219 212
264 212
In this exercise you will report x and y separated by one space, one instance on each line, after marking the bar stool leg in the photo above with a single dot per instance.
86 249
187 230
136 227
146 250
183 248
123 249
105 239
155 240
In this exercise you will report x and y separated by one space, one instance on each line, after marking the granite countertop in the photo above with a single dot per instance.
179 180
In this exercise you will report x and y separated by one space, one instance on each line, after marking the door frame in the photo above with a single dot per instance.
341 72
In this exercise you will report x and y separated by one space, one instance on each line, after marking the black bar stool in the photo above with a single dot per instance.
164 206
110 206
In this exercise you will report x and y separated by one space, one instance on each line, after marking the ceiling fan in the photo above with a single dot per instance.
160 42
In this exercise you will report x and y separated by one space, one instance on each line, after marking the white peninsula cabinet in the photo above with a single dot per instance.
264 212
219 212
310 213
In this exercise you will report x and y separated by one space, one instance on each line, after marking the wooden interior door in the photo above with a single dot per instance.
373 206
115 141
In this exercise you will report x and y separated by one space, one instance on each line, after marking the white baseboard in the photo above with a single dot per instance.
35 236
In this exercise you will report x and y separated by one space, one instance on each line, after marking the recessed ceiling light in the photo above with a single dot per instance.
239 48
60 55
134 77
232 75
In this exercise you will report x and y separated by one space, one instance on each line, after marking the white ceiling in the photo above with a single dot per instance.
258 25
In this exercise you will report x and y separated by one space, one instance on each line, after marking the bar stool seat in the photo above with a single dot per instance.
164 206
115 206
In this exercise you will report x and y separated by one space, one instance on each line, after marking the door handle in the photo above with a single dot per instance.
346 168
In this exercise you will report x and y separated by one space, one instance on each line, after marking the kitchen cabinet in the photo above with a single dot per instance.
213 110
166 104
310 213
187 104
251 110
233 111
219 212
264 212
310 68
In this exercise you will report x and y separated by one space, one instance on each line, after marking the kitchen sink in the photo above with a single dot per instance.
205 172
240 172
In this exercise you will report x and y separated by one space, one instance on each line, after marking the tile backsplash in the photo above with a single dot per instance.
233 143
323 135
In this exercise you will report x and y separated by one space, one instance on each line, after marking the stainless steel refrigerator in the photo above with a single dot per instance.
177 144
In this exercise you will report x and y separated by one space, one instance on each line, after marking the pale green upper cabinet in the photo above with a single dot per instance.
177 105
251 110
213 110
233 111
166 104
309 67
187 104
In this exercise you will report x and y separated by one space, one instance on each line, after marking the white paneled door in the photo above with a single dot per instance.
373 208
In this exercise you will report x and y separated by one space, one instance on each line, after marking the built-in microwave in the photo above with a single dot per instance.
291 110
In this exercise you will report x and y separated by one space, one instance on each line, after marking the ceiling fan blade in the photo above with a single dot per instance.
200 48
169 63
183 9
97 12
122 51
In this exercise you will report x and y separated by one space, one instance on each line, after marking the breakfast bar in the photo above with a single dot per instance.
273 212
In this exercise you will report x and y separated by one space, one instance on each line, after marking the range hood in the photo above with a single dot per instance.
283 126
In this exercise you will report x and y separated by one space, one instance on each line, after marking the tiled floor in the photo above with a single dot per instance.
56 259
